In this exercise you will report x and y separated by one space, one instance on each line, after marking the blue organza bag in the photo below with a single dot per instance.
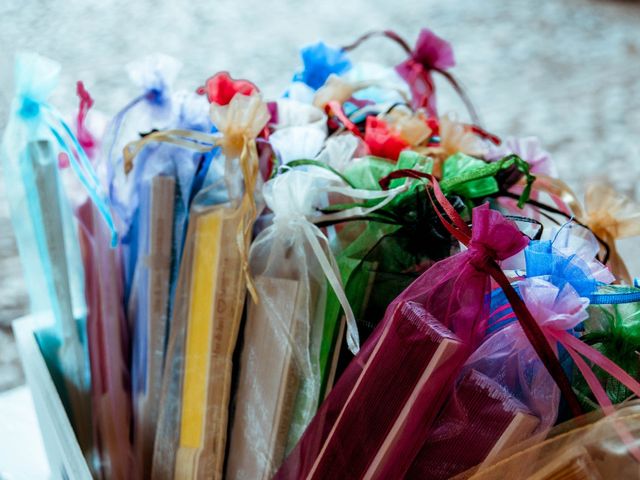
35 140
163 180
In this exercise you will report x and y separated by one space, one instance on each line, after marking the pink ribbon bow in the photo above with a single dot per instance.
430 53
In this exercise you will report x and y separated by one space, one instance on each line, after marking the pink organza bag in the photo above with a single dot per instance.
108 333
373 425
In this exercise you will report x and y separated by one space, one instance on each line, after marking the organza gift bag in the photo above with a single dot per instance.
596 350
155 108
35 140
504 394
381 255
377 417
279 380
109 348
209 301
611 216
399 241
613 329
108 334
212 200
300 130
162 180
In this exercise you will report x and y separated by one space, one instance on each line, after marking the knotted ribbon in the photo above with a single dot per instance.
32 107
431 54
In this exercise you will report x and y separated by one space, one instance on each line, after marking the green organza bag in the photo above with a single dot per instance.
613 329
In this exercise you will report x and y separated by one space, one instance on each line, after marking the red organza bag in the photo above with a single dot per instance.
375 420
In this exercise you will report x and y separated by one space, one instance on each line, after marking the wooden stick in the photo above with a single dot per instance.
576 464
160 241
268 383
43 163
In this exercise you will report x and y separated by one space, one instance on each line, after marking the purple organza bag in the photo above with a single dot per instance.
444 313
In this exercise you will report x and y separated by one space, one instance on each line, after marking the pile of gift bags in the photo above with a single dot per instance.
339 283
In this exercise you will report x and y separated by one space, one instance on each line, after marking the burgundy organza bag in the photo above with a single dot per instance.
375 420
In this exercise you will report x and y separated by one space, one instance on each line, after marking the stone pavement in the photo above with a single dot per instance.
566 71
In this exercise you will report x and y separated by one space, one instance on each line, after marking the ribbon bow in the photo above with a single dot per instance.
542 259
568 259
221 88
431 53
320 62
85 138
493 237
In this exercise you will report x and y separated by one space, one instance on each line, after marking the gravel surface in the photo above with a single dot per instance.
566 71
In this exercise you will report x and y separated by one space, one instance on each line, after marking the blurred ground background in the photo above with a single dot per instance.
566 71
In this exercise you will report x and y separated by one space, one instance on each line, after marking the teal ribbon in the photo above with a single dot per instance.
83 169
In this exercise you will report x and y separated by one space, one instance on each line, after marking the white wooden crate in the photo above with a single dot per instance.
63 452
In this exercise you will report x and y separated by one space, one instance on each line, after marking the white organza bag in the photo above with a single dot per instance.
279 381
